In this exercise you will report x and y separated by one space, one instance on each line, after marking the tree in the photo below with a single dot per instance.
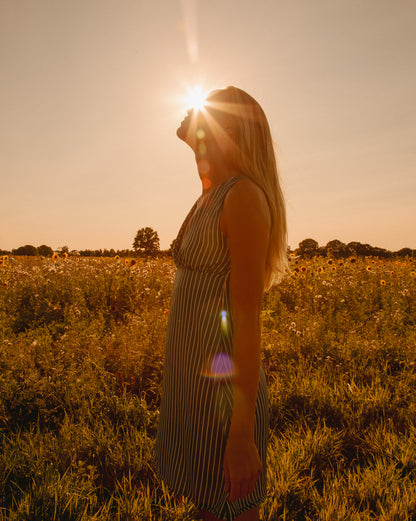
45 251
146 242
307 248
405 252
28 250
337 249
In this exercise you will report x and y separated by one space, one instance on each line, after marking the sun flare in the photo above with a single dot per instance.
195 98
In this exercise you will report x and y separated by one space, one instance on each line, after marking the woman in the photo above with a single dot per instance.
212 435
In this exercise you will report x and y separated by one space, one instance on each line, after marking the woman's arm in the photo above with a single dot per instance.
245 222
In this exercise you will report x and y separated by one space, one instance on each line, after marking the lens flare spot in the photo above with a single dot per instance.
202 149
200 133
203 169
224 322
220 366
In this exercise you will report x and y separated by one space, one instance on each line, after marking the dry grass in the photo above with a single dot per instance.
81 354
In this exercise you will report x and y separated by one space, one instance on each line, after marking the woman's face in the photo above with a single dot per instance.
212 126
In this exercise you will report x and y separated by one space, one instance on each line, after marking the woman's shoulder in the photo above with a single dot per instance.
246 200
246 192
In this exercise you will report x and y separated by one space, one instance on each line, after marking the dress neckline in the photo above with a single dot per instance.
196 207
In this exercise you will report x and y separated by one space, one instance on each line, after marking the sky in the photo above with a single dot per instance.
91 95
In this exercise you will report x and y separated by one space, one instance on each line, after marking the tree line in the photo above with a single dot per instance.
309 248
147 244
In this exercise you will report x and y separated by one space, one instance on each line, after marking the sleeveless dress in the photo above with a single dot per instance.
197 390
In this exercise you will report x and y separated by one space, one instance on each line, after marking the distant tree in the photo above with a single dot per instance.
337 249
45 251
380 252
405 252
146 242
170 250
124 253
307 248
360 249
28 249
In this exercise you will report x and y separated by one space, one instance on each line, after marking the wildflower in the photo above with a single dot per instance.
413 273
352 260
330 261
117 257
321 269
65 255
383 282
368 268
133 262
303 269
126 262
55 256
5 284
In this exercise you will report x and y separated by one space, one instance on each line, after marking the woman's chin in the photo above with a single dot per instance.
183 135
180 133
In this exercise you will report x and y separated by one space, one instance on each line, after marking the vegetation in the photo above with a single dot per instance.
146 242
309 248
81 357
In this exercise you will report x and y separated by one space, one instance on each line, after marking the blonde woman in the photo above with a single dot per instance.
213 429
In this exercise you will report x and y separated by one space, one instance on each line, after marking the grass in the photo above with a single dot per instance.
81 357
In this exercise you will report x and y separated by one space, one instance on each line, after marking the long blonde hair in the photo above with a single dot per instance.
254 157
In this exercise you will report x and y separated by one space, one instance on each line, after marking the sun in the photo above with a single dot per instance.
195 98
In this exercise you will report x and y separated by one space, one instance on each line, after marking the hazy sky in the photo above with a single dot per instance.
90 99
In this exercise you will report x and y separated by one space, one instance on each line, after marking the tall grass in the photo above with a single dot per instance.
81 357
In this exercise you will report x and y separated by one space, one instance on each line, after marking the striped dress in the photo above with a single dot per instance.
197 389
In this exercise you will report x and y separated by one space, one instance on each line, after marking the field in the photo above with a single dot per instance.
81 357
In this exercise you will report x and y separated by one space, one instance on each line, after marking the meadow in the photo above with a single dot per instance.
81 359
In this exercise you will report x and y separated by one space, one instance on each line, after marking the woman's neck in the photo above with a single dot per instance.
212 178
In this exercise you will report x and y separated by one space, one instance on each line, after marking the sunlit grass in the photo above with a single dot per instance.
81 357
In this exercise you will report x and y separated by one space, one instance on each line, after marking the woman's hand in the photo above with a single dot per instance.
242 467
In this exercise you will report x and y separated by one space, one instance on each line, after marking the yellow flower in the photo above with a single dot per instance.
127 262
321 269
55 256
303 269
368 268
65 255
117 257
383 282
133 262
